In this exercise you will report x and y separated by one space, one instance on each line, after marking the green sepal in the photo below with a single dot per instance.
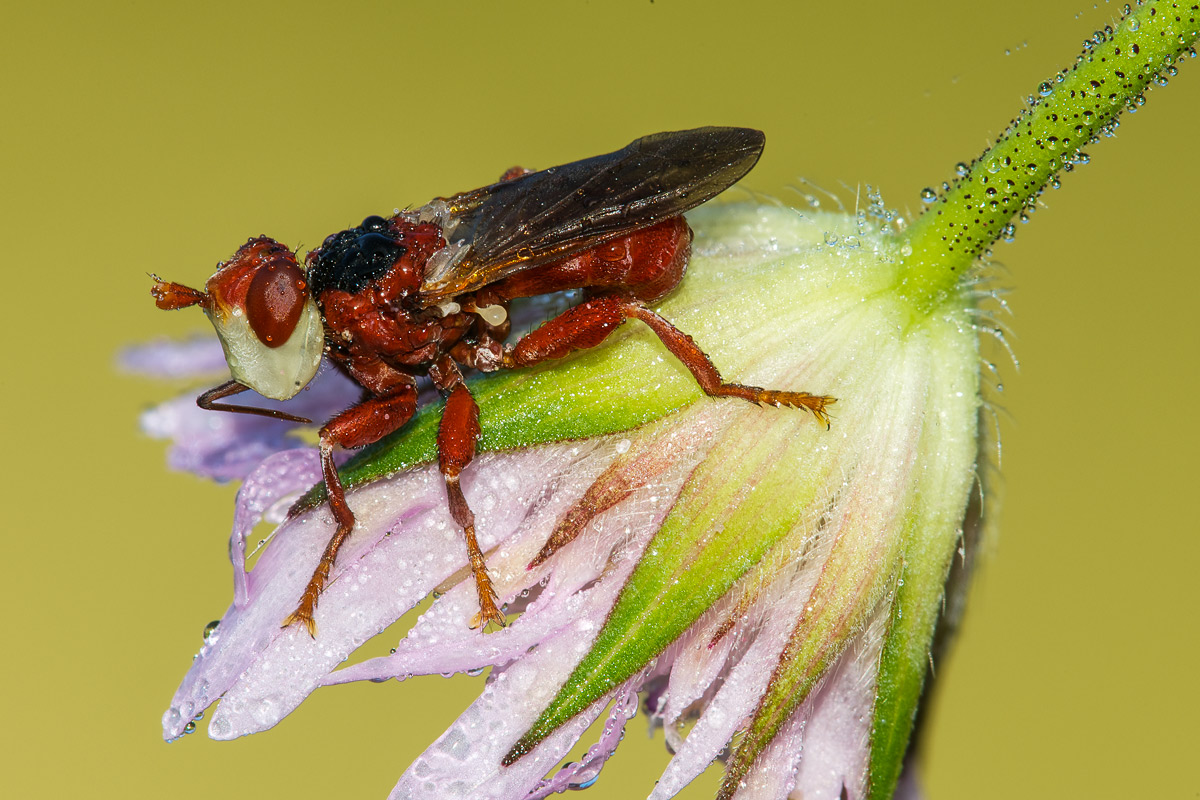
568 399
898 686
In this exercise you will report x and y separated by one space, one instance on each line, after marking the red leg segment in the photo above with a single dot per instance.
457 435
589 323
359 425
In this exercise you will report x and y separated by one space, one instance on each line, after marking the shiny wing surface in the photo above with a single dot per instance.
543 216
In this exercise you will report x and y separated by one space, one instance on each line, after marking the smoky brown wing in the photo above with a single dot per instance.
540 217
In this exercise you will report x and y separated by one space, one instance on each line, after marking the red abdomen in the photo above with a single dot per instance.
648 263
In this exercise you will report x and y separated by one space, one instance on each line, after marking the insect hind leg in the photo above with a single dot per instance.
589 323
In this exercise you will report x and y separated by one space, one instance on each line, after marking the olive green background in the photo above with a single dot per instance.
145 137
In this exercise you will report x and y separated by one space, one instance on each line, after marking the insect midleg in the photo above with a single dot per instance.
589 323
457 435
358 425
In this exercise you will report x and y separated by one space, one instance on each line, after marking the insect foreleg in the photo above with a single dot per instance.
358 425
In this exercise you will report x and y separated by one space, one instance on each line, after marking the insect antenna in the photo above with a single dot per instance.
207 402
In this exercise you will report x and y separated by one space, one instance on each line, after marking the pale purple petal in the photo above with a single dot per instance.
699 663
824 747
837 738
390 564
583 774
226 446
197 357
465 761
565 591
909 787
378 577
274 586
440 643
378 581
739 694
267 494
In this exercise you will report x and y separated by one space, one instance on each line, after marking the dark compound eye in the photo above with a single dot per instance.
374 223
274 301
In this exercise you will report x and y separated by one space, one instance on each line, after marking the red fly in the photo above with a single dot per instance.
426 292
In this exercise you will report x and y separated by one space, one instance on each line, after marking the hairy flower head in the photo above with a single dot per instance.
758 577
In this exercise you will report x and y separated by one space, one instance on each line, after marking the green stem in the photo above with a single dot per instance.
1071 110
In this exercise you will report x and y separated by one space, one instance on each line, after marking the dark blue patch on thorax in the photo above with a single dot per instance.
353 258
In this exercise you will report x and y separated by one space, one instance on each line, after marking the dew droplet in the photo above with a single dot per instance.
928 195
1045 89
211 628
